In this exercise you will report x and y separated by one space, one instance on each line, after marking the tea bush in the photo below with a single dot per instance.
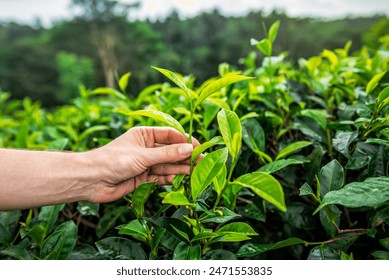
295 164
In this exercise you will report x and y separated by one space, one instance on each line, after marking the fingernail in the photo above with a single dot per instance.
185 149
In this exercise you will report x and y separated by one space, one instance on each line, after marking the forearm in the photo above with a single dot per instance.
35 178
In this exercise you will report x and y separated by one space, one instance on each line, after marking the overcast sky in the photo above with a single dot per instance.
53 10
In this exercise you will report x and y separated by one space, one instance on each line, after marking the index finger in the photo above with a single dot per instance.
168 135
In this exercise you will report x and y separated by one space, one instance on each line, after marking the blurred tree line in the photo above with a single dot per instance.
49 64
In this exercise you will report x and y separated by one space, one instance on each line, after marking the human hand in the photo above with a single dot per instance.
142 154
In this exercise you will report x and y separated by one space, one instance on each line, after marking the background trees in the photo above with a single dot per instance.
103 42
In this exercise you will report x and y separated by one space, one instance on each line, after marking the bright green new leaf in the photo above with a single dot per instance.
231 130
273 31
206 170
135 229
159 116
217 140
331 56
123 81
264 185
251 249
92 130
177 80
373 83
177 199
292 148
109 91
384 94
218 84
140 196
265 46
372 192
220 180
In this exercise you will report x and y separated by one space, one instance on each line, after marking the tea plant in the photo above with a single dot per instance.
293 163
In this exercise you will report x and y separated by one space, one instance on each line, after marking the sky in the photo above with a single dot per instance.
49 11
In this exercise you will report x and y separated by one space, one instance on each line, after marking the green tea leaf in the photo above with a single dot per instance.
140 196
264 185
253 135
220 180
135 229
273 31
92 130
123 81
172 225
48 215
185 251
279 164
206 170
323 252
265 46
176 199
217 140
118 248
306 190
373 83
226 216
292 148
17 252
177 80
342 141
234 232
331 177
372 192
252 249
60 243
219 254
159 116
109 91
384 94
231 130
218 84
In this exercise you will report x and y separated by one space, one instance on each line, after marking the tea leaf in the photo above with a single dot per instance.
176 199
206 170
373 83
331 177
17 252
159 116
217 140
279 164
292 148
140 196
118 248
60 243
218 84
265 46
178 81
220 180
252 249
372 192
185 251
231 130
123 81
273 31
264 185
135 229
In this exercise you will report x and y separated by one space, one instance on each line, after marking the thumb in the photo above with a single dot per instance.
169 153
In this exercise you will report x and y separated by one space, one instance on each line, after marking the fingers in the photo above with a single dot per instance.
167 135
170 169
167 154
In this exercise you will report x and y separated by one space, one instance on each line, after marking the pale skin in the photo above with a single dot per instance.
36 178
